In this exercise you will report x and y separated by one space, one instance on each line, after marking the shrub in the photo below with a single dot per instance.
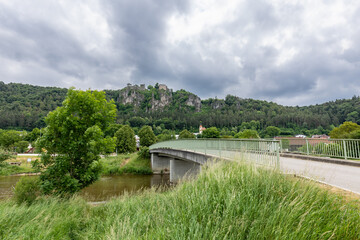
5 155
144 152
27 189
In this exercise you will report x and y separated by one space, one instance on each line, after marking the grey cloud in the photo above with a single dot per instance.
139 52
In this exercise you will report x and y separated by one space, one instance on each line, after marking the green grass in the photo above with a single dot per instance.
126 164
6 169
229 201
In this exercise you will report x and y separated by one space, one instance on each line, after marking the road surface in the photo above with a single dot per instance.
342 176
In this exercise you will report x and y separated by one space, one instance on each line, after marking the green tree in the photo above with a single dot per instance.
112 129
73 140
21 146
33 135
212 132
272 131
344 130
247 133
186 134
5 155
147 136
166 135
125 140
9 138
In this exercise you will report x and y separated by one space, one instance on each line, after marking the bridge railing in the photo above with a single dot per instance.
338 148
265 152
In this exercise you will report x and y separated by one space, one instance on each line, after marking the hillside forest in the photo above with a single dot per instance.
24 107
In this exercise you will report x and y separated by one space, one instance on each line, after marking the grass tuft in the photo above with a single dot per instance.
226 201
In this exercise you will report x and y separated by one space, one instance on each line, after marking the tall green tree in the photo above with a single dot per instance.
345 130
9 138
21 146
125 140
212 132
186 134
272 131
147 136
73 141
247 133
166 135
33 135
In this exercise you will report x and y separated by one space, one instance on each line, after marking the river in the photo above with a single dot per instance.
102 190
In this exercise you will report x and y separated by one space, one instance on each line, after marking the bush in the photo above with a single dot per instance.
144 153
27 189
5 155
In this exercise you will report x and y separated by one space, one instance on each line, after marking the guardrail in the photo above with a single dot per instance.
338 148
265 152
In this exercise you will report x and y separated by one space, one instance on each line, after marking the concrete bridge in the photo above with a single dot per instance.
184 158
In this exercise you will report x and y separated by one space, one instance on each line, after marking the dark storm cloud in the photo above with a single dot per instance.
140 27
292 53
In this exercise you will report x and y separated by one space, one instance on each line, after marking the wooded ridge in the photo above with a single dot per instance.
24 106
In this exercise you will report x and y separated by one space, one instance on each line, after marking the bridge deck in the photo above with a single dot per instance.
342 176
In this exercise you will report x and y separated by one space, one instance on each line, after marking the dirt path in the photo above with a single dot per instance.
125 162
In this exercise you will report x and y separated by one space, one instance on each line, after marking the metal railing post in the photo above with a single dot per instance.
345 152
307 147
278 156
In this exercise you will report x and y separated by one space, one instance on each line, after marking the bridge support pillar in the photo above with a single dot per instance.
159 163
180 169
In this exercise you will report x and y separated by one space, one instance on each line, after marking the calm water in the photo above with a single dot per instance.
102 190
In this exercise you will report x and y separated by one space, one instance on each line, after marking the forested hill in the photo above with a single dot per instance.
24 106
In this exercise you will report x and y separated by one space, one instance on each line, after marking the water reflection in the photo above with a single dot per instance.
102 190
112 186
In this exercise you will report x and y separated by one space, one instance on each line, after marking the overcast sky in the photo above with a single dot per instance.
287 51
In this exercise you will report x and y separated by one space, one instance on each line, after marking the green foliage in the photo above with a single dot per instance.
10 137
33 135
112 129
5 155
144 153
232 201
211 132
125 140
137 122
272 131
186 134
354 135
247 133
345 130
21 146
24 107
147 136
285 143
73 141
166 135
27 189
127 164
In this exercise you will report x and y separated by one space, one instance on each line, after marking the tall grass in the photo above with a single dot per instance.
126 163
228 201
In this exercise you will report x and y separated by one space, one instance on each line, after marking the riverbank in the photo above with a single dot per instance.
112 165
126 164
228 201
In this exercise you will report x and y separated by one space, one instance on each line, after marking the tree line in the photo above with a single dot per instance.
24 107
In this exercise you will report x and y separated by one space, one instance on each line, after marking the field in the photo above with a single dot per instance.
227 201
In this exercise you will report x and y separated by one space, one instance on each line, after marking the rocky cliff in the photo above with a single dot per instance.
157 98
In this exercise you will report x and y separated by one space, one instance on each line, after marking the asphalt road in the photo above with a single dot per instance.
342 176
